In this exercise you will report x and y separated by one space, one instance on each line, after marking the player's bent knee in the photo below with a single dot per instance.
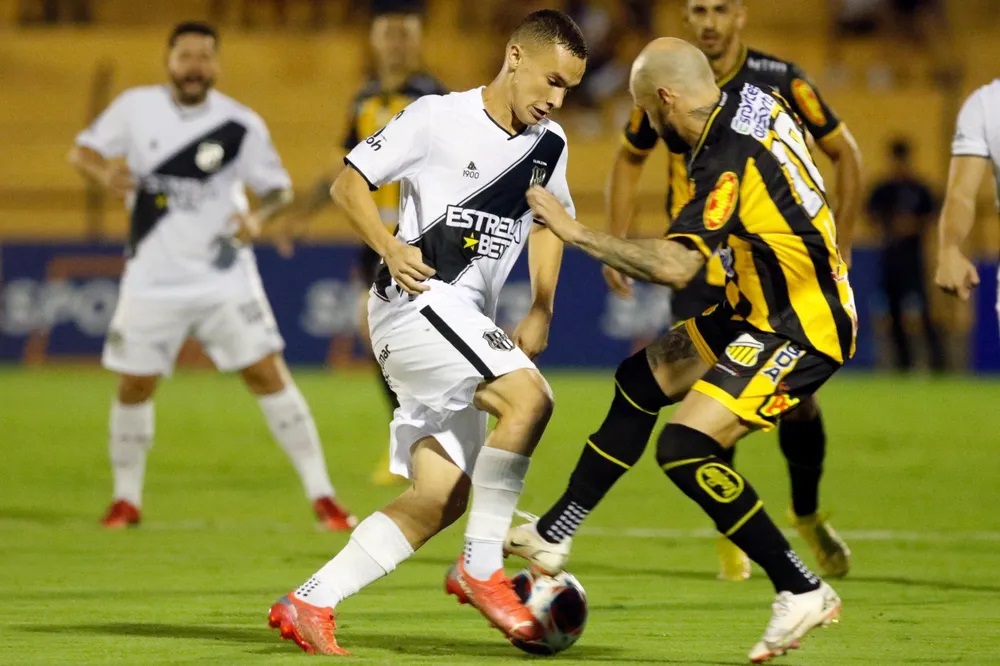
135 389
635 381
679 443
266 376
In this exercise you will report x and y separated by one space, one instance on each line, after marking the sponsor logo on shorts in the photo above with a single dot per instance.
777 405
745 351
721 483
808 102
252 312
721 201
383 356
783 362
498 340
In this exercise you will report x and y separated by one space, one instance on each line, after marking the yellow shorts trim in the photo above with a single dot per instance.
744 408
632 402
699 342
742 521
608 456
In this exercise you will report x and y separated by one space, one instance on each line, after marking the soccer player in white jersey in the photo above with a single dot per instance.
466 161
975 147
182 155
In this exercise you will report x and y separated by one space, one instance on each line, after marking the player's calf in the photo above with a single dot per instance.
690 459
611 451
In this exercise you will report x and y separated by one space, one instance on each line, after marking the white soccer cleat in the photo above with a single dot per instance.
794 616
545 556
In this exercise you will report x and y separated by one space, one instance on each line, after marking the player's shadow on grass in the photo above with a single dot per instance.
38 515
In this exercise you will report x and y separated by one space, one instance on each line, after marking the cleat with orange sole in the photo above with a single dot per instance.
496 600
311 627
330 515
121 514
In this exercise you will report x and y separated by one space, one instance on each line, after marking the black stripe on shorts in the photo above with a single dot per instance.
457 342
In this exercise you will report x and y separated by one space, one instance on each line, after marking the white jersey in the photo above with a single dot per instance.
462 200
978 129
192 166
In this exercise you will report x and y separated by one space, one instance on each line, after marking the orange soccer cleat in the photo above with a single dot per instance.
311 627
121 514
496 600
331 516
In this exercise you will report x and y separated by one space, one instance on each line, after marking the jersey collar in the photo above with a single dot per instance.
708 127
731 74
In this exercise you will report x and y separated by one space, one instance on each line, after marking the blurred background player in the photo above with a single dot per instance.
787 325
396 79
182 155
975 146
467 160
902 206
716 27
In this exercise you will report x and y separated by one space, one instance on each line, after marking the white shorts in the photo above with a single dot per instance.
236 328
435 352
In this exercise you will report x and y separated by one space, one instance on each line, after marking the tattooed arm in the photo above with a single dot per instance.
651 260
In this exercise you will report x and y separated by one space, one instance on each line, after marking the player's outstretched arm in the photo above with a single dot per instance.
955 274
545 252
843 151
651 260
405 262
622 192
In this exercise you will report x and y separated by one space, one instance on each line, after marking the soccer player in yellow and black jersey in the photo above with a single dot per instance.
398 80
787 323
716 27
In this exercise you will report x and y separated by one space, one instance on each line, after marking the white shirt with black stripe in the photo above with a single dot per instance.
192 166
462 200
977 132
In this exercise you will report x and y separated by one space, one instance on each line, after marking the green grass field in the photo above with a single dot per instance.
911 481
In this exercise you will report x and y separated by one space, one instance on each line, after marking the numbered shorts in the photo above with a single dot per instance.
236 329
759 376
435 352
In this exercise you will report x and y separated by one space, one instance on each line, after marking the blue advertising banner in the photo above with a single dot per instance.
57 301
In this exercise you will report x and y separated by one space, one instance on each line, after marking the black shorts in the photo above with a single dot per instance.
757 375
695 298
367 266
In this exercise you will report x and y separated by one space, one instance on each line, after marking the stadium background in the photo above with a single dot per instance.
58 239
911 471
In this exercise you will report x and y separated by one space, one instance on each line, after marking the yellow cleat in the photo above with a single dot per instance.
734 565
832 554
381 476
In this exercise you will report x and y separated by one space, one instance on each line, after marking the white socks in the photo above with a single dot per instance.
292 425
497 481
377 546
131 437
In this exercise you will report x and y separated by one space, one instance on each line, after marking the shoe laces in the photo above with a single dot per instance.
781 607
502 595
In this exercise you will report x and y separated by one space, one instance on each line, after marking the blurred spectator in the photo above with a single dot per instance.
55 11
902 206
904 29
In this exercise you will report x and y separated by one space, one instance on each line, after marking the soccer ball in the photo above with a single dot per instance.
560 605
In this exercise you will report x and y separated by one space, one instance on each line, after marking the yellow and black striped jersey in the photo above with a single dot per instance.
375 106
759 200
755 67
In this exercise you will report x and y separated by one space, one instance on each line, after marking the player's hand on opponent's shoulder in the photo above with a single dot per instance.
118 180
956 275
619 283
532 333
406 265
547 209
